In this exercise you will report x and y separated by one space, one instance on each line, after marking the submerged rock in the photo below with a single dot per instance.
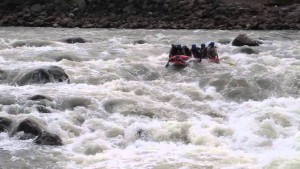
3 75
139 42
39 97
248 50
74 40
42 109
243 39
31 43
5 124
29 127
51 74
47 138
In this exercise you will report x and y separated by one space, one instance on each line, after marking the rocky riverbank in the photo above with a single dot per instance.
151 14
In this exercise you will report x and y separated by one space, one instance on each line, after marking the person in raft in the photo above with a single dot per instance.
173 50
196 53
186 51
203 51
212 51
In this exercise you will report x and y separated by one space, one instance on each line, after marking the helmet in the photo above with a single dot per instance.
193 46
211 44
202 45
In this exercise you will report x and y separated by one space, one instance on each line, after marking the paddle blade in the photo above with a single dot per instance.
167 65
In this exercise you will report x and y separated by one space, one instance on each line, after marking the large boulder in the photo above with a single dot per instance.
50 74
5 124
30 127
243 39
47 138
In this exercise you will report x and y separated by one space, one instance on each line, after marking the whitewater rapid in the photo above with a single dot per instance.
124 109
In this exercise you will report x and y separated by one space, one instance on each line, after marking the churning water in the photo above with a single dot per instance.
124 110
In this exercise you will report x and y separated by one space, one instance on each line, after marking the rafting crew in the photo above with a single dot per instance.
178 52
209 52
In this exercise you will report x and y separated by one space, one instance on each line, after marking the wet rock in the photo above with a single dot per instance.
5 124
139 42
42 109
47 138
51 74
248 50
39 97
28 126
243 39
74 40
31 43
3 75
65 21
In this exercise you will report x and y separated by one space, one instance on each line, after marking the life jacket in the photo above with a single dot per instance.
203 53
211 52
195 52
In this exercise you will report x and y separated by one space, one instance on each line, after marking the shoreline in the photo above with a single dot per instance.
152 14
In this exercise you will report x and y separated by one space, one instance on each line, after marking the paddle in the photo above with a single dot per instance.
167 65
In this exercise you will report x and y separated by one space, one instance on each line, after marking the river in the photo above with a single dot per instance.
124 110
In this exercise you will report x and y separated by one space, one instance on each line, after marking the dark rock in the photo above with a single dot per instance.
50 74
36 8
243 39
28 126
65 21
74 40
42 109
293 15
5 124
139 42
81 5
39 97
171 14
3 75
47 138
49 7
31 43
